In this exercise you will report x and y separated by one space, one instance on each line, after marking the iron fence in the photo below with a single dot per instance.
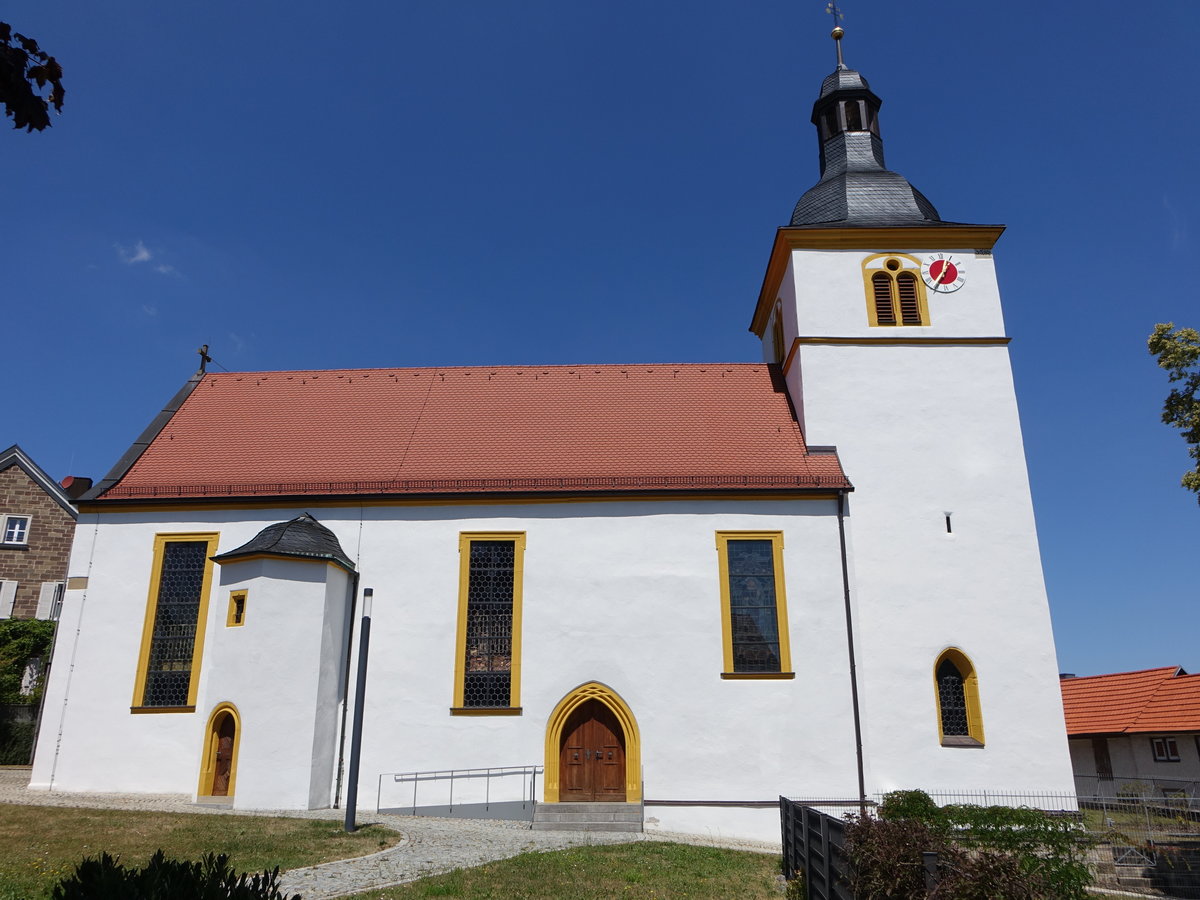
1121 786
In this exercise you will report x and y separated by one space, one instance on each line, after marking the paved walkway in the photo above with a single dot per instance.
426 847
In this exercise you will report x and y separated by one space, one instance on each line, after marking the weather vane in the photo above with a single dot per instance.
833 10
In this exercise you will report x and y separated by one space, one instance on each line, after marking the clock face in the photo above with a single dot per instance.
943 272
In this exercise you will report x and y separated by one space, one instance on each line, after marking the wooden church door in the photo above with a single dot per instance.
223 763
592 758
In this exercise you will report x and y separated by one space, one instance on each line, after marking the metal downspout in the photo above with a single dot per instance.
337 791
858 748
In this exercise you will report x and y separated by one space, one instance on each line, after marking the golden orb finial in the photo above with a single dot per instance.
838 30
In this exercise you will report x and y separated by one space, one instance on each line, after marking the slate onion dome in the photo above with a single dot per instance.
300 538
856 188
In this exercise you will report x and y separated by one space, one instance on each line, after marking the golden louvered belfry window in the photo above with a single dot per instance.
895 294
885 310
906 291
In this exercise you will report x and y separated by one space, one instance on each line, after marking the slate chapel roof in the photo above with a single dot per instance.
1151 700
300 538
474 430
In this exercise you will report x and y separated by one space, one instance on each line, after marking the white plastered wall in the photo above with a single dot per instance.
280 669
923 430
623 593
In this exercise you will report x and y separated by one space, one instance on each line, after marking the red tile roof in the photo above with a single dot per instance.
1152 700
471 430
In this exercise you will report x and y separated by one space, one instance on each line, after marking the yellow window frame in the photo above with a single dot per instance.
517 538
781 620
237 604
878 263
139 685
970 680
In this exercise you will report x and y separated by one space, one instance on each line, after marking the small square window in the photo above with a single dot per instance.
16 529
237 609
1165 749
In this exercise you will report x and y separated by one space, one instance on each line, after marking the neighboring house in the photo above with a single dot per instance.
663 584
1134 732
37 526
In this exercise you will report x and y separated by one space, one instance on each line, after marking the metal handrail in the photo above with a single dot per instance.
451 775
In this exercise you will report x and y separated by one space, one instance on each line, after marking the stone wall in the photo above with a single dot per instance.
51 531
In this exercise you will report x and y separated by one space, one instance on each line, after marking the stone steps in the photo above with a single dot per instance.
587 817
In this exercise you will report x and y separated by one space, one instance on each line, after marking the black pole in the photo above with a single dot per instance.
858 748
360 692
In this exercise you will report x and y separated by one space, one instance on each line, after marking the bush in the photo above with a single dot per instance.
16 741
984 852
167 879
22 640
899 806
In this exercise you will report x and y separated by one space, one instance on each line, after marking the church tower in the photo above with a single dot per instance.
886 323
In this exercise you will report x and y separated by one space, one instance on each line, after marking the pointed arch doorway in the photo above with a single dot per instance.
218 771
593 748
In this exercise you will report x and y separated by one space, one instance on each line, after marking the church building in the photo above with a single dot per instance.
676 590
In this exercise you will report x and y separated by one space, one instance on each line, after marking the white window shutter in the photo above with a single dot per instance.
8 596
46 599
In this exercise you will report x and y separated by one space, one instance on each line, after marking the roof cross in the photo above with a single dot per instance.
834 10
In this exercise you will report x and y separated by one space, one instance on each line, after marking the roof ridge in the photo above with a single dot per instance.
494 368
1078 678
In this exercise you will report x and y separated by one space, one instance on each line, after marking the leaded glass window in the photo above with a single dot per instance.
753 605
488 654
176 614
952 699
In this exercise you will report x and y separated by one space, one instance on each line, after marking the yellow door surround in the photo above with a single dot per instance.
594 690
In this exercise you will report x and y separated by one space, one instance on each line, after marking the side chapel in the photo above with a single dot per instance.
684 589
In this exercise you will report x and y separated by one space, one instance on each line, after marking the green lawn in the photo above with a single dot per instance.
40 844
646 871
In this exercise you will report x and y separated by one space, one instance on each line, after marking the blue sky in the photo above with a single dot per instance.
300 185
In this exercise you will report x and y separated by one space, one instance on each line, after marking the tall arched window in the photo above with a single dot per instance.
960 721
895 292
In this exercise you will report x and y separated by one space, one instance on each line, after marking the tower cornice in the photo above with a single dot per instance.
898 238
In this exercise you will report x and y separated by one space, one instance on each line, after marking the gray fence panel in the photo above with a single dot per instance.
813 843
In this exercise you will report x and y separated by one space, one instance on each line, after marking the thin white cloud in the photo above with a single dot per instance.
139 253
239 343
149 309
1177 225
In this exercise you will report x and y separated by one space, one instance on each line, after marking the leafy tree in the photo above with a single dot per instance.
24 65
1178 351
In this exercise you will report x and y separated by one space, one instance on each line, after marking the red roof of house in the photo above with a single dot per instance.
1152 700
485 429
